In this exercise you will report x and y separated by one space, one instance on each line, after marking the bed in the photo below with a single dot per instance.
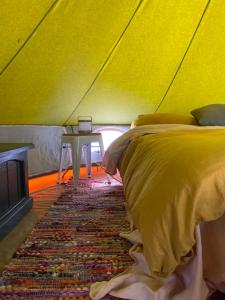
174 183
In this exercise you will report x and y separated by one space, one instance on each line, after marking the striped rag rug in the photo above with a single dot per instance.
76 243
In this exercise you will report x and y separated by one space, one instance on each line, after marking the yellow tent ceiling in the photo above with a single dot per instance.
109 59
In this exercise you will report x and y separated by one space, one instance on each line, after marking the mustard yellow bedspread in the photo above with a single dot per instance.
173 180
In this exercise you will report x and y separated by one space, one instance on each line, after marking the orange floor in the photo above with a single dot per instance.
39 183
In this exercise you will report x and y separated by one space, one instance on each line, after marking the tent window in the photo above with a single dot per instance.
109 134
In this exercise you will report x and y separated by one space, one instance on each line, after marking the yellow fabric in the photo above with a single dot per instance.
163 118
144 62
57 65
17 20
113 59
200 81
173 180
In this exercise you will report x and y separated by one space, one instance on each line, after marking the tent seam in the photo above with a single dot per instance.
184 56
104 63
29 37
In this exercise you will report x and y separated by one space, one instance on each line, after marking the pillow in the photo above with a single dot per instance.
163 118
210 115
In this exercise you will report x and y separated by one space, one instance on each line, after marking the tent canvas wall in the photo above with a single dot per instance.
60 59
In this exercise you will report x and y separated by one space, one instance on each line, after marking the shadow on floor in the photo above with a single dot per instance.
218 296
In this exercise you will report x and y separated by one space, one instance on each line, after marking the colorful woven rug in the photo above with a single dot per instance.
75 244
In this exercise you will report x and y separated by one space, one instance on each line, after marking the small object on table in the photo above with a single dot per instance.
85 124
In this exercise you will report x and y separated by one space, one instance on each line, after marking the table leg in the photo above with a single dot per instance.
76 155
61 159
89 159
101 145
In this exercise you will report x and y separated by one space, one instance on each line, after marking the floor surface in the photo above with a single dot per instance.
44 190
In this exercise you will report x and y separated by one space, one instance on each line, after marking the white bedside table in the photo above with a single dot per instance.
77 142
